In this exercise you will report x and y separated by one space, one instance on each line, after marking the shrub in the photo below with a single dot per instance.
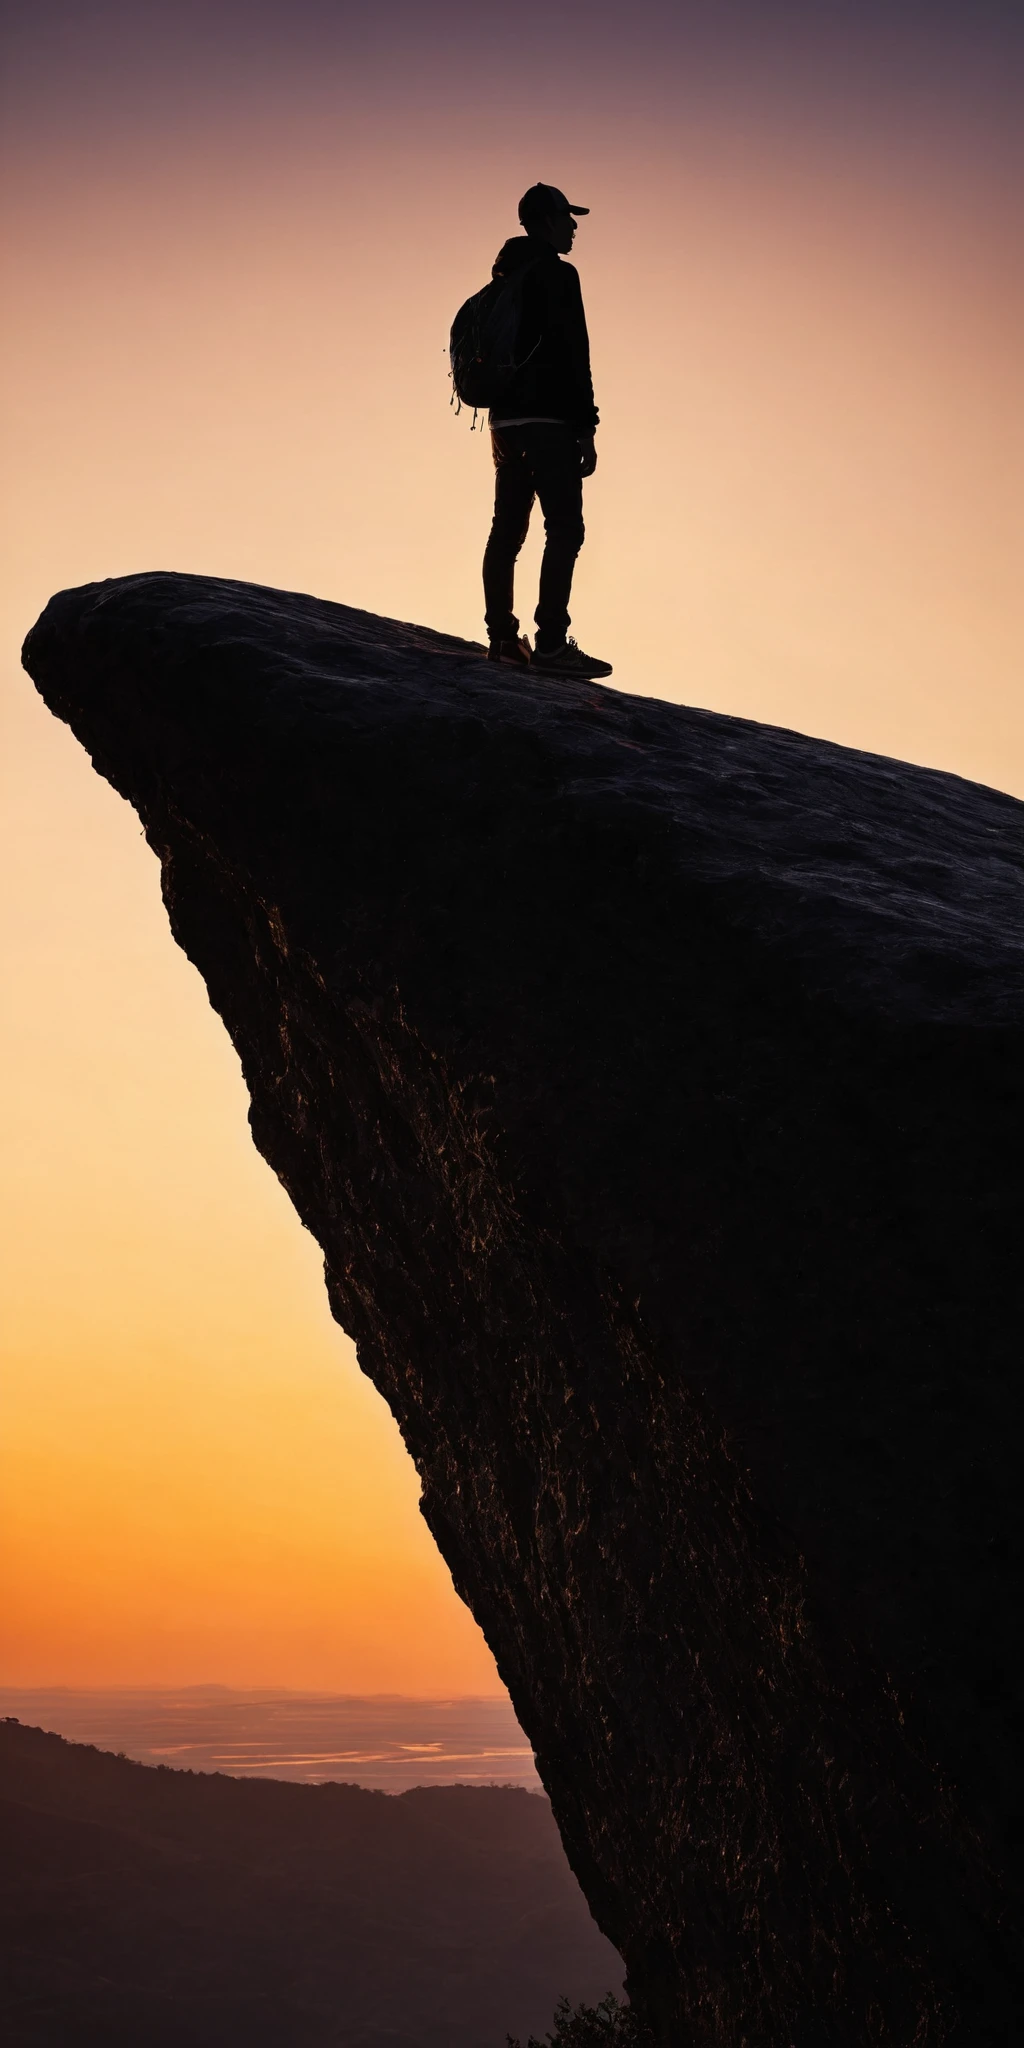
608 2025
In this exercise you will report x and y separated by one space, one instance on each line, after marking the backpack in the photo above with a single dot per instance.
484 335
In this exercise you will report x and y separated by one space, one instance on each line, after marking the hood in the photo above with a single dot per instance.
518 250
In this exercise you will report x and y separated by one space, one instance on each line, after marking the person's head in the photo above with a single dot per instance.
546 214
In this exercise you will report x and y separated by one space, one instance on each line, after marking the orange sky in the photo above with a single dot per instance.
227 356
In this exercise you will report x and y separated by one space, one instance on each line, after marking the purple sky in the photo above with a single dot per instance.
909 55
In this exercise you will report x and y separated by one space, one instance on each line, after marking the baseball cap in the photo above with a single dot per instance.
542 199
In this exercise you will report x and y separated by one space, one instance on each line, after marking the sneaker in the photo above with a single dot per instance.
570 660
515 651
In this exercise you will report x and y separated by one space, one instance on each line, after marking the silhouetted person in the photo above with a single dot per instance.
543 440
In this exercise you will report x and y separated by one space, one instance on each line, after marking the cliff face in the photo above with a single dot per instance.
652 1082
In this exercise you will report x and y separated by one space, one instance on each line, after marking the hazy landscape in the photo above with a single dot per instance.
389 1743
186 1910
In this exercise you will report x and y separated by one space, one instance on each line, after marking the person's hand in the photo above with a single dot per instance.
588 454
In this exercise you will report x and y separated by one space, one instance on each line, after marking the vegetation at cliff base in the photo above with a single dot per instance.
607 2025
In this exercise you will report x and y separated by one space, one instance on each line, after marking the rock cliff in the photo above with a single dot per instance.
652 1083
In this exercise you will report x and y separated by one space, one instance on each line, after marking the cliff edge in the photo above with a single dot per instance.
652 1082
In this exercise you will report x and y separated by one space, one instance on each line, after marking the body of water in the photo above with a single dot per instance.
390 1743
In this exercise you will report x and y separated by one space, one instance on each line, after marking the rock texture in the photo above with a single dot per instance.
652 1082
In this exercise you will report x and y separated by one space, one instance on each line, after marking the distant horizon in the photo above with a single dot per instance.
389 1742
299 1692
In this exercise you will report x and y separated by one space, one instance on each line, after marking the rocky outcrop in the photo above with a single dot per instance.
652 1082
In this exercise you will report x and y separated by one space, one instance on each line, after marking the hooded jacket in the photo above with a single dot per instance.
554 381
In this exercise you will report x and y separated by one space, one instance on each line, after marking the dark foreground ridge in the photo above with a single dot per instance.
156 1908
652 1082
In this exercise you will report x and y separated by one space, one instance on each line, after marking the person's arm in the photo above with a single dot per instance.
577 348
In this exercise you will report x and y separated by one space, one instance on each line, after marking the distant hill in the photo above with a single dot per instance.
179 1910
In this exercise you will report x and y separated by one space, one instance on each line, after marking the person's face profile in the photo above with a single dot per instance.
562 230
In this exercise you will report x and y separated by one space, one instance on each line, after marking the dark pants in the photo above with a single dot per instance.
534 462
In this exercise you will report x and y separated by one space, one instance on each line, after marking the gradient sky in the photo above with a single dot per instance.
236 236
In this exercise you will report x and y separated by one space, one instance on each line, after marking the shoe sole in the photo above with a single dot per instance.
573 675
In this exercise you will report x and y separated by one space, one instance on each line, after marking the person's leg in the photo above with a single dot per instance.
553 454
513 503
